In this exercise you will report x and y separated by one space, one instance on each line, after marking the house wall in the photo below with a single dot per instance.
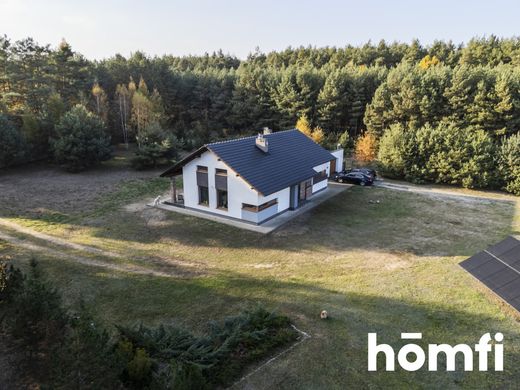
283 197
238 191
339 159
322 184
261 215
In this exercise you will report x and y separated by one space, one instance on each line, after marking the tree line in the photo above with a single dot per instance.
166 104
455 125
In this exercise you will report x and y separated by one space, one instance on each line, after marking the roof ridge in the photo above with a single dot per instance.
248 137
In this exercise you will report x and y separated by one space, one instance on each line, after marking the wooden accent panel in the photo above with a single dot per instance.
332 166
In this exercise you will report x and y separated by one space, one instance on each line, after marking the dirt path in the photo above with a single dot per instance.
424 189
58 241
133 269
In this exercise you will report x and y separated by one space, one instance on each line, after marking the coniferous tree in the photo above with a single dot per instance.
12 145
81 140
509 163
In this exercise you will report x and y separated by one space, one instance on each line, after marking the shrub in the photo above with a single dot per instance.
509 163
151 156
12 144
155 147
85 357
63 351
11 280
366 148
212 360
4 278
75 352
36 313
139 368
81 140
187 377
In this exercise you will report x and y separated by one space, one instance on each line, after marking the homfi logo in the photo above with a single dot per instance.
412 357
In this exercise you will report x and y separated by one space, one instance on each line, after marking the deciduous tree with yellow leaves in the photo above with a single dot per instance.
428 61
366 148
304 126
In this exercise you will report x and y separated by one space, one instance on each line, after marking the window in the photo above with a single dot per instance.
256 209
320 176
222 199
203 196
221 187
267 204
202 177
249 207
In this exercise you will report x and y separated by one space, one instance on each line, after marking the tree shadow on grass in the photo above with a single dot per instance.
400 222
336 355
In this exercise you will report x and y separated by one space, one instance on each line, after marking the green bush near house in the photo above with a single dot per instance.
214 359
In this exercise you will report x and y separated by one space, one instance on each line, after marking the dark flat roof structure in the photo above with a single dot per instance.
289 160
498 267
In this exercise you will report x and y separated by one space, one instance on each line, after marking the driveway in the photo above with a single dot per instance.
444 191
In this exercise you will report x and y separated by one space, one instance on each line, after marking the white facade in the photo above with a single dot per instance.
322 184
239 192
236 186
339 159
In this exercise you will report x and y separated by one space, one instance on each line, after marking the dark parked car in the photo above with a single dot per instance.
354 178
365 171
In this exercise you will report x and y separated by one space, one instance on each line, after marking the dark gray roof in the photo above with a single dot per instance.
498 268
290 159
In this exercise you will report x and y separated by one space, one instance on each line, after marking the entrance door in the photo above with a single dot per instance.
305 190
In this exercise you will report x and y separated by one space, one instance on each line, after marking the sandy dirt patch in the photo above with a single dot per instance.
37 188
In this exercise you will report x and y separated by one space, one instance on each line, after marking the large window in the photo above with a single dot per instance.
222 199
202 182
203 196
256 209
221 187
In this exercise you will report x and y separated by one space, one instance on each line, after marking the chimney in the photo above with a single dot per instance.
267 130
261 143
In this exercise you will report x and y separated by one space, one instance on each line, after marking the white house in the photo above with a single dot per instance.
254 178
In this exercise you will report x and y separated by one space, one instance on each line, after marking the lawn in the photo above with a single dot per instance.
386 267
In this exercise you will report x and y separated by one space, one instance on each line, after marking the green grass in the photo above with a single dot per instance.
129 192
386 267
